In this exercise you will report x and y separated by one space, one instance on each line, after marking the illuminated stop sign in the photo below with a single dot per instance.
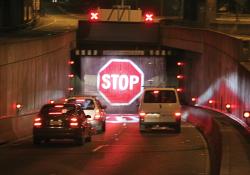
120 82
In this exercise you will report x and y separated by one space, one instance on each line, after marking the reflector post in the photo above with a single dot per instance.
18 106
180 76
246 114
180 63
228 106
193 99
70 89
210 101
70 62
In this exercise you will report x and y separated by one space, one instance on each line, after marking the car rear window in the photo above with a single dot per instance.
86 104
159 96
57 109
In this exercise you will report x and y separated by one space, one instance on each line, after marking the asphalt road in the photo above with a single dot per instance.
122 149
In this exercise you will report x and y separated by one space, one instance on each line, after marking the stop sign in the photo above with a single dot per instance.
120 82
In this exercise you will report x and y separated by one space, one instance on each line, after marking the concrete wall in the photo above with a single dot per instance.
32 72
213 70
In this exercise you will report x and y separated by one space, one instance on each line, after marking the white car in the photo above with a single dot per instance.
160 107
92 106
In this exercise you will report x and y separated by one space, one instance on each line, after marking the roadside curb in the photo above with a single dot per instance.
236 120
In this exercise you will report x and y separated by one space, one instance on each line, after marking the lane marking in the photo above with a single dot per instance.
98 148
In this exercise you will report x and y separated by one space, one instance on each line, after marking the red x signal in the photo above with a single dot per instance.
149 17
94 16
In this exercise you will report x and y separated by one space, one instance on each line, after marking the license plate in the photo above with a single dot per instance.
55 122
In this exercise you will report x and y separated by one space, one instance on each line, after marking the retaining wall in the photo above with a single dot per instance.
32 71
213 71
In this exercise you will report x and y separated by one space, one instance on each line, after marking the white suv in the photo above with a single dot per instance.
160 107
93 107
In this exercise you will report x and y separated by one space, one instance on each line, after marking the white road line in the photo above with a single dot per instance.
42 26
98 148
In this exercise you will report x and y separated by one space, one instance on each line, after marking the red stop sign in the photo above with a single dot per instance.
120 82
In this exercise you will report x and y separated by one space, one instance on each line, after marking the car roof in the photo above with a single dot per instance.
158 88
82 97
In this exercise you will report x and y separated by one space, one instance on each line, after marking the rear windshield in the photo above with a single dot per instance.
57 109
86 104
159 96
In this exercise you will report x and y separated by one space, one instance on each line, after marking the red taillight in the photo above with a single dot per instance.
73 122
156 92
142 115
177 114
37 122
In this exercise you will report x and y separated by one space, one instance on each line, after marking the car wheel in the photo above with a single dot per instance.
80 141
142 128
36 141
88 139
178 128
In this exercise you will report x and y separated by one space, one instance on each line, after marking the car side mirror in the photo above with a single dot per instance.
87 116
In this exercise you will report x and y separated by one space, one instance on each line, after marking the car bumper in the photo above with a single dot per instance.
96 123
160 124
58 133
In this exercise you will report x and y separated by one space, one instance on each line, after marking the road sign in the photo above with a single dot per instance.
120 82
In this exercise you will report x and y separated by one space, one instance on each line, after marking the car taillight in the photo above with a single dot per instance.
37 122
177 114
97 115
142 115
73 122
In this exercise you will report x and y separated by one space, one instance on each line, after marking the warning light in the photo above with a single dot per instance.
246 114
180 76
18 106
180 63
193 99
71 75
156 92
94 16
51 101
179 90
71 62
228 108
149 17
210 101
70 89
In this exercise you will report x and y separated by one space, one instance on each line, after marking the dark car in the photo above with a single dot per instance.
61 121
93 107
